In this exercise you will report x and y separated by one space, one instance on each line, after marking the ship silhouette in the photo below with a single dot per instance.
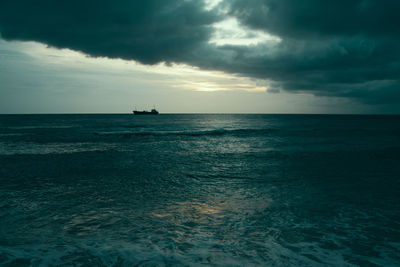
144 112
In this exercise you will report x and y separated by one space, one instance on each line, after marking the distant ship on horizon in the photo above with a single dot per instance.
144 112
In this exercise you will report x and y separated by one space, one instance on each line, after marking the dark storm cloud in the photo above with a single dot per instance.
148 31
336 48
315 18
335 67
343 48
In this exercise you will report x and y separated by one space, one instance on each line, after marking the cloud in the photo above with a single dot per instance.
148 31
335 48
341 48
314 18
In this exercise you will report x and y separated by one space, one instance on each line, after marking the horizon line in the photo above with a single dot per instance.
207 113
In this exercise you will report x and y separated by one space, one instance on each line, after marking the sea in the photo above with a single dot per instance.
199 190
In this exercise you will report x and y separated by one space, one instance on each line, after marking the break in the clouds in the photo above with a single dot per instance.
346 48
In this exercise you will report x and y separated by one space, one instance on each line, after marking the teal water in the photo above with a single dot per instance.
199 190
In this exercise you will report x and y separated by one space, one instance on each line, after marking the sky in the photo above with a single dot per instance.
200 56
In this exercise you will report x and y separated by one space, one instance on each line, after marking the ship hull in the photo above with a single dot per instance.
144 113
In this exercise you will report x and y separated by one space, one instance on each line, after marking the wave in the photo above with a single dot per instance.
25 148
215 132
127 126
11 134
33 127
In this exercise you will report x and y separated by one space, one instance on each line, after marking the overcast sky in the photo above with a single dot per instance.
233 56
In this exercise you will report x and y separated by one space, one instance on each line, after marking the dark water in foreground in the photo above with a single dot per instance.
232 190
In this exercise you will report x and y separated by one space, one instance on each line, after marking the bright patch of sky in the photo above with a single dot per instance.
210 4
230 32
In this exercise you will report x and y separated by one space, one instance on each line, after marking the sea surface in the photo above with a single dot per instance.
199 190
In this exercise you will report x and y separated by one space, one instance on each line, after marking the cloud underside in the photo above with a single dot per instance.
346 48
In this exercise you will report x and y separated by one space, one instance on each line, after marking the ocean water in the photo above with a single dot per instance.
199 190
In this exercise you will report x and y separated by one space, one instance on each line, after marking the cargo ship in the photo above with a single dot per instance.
144 112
